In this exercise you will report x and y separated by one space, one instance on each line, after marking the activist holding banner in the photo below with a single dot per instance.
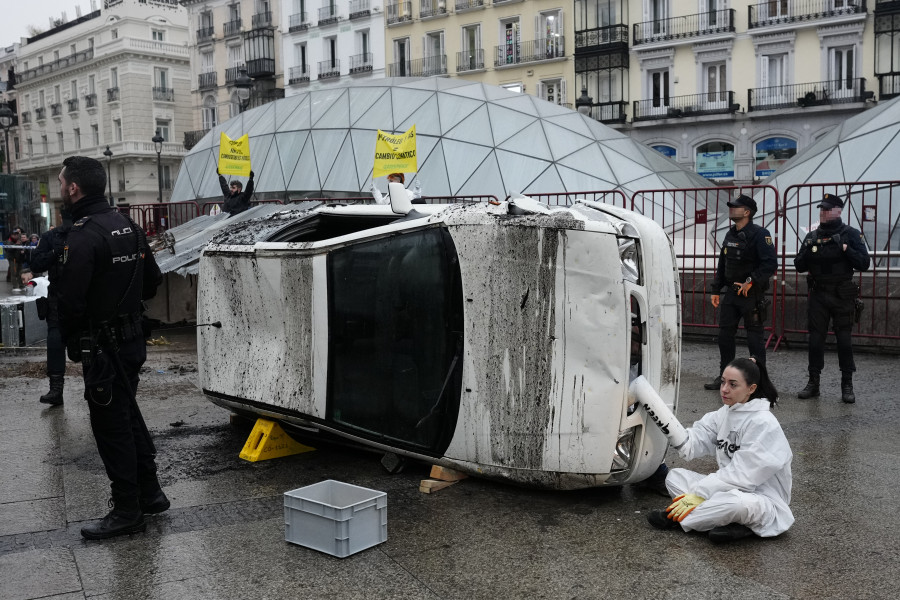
237 199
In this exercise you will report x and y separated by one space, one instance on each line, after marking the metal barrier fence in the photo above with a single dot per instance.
870 207
157 218
696 220
210 208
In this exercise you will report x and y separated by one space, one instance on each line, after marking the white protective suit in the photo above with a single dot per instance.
753 483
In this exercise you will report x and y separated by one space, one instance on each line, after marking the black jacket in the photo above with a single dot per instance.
108 268
238 202
822 252
749 252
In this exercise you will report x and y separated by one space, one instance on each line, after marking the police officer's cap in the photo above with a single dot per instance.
830 201
743 201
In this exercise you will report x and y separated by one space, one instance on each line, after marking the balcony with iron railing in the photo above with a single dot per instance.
207 80
361 63
464 5
399 12
192 137
530 51
470 60
206 34
164 94
112 94
778 12
26 117
298 74
329 69
298 22
432 8
90 101
429 66
691 105
803 95
232 27
686 28
40 113
56 65
328 15
602 36
888 86
261 67
232 73
56 109
609 112
360 8
262 19
72 105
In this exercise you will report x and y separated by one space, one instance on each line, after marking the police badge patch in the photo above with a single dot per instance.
768 240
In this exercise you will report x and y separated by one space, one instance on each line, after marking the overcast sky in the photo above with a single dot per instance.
19 14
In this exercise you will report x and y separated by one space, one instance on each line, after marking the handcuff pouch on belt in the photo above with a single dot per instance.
109 334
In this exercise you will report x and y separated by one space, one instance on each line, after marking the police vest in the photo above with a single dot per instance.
116 286
740 252
826 258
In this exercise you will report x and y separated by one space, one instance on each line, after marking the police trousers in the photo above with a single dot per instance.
833 305
56 349
732 310
117 423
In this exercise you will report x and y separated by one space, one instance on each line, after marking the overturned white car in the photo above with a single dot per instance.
497 339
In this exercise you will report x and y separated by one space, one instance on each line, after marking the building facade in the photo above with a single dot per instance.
733 89
110 79
228 37
338 41
8 57
521 45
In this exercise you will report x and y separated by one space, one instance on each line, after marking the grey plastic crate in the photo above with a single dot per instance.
335 517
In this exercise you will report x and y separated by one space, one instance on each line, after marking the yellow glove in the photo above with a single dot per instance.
683 505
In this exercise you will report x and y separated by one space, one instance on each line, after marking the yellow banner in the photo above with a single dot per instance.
234 156
395 153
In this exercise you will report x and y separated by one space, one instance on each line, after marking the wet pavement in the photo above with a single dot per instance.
224 535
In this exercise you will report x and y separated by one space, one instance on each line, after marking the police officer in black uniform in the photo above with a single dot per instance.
108 269
830 254
746 264
48 257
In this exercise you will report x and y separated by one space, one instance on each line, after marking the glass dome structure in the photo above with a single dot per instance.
473 139
863 148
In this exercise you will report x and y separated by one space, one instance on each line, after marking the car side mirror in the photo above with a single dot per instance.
400 202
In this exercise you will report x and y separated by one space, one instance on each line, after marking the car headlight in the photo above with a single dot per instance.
630 257
624 453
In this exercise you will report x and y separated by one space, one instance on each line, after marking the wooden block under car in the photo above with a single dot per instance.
445 474
427 486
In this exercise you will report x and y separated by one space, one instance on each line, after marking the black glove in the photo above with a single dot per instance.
837 238
251 174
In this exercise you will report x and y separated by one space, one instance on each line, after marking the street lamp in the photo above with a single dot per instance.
584 102
158 142
244 86
6 119
108 154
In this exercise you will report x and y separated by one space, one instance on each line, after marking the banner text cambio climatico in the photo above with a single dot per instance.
395 153
234 156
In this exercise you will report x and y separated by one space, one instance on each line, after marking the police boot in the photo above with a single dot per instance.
124 518
847 394
715 384
152 499
812 388
55 396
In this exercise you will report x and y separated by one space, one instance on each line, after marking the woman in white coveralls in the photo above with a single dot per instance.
751 491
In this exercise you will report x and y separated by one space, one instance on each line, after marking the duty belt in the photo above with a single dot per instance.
122 328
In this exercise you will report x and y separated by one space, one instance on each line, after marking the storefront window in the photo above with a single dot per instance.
667 151
715 160
773 152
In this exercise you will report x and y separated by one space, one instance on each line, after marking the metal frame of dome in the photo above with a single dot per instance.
473 138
